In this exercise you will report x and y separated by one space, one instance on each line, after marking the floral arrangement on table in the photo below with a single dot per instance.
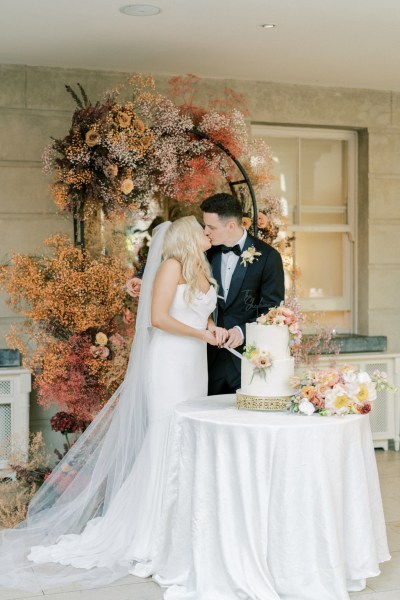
79 319
260 360
340 391
285 315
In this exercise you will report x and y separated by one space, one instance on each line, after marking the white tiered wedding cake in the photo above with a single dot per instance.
267 365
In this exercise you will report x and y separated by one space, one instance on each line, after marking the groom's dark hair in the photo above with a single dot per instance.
224 205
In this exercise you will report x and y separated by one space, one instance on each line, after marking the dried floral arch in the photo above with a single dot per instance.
79 224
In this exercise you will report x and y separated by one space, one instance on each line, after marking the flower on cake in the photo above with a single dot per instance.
340 391
282 315
249 256
259 359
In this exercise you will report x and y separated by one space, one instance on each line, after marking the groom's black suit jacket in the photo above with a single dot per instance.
253 290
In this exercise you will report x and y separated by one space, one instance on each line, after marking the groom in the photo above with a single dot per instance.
250 280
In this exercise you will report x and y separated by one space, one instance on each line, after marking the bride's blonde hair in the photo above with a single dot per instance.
183 242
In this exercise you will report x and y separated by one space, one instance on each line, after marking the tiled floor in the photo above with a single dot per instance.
384 587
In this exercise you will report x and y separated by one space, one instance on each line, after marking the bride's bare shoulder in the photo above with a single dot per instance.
170 269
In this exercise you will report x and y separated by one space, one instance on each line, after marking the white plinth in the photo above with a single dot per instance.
15 387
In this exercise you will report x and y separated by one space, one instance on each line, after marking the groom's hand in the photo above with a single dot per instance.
235 338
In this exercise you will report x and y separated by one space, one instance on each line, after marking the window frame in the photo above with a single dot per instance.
348 300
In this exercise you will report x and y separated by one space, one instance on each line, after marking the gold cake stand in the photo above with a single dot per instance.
261 402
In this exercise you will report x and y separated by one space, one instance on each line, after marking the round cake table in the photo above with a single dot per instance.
268 506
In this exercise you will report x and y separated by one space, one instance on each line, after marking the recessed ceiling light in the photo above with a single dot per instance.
268 25
140 10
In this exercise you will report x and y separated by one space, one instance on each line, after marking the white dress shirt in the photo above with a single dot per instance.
229 261
228 265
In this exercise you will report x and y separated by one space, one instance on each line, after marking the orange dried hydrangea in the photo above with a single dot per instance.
71 302
68 291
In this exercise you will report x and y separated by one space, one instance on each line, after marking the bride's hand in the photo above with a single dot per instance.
210 338
221 335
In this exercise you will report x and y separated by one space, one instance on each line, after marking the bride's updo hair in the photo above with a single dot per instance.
183 241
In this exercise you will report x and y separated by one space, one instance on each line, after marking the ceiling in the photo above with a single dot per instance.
350 43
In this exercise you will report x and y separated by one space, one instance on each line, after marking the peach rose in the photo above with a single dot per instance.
262 220
133 287
308 391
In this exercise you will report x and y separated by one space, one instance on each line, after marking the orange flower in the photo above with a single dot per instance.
127 186
92 138
139 125
246 222
308 391
124 120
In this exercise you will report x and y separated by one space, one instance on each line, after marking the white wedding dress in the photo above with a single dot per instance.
123 539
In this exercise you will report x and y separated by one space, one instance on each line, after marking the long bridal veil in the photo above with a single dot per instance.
86 481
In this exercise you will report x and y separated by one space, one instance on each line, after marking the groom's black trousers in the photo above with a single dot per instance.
223 372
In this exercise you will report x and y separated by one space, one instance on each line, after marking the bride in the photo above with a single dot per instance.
96 517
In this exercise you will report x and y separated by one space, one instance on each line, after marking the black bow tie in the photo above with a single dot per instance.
235 249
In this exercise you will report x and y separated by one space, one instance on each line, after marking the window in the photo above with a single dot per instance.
315 172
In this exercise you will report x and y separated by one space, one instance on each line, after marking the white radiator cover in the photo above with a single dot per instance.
15 387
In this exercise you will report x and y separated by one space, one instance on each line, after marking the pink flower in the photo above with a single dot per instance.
99 351
127 316
328 378
117 340
133 287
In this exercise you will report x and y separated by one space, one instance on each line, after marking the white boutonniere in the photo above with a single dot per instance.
249 256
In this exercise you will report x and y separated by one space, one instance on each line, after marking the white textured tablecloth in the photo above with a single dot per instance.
261 506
